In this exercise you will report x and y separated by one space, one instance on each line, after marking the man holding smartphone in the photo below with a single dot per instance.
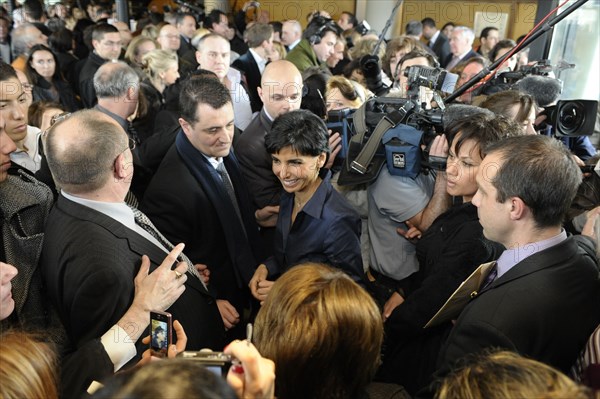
95 241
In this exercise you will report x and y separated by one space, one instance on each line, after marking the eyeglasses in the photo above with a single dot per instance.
54 120
131 144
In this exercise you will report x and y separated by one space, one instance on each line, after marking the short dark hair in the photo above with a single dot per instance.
257 34
414 28
213 17
502 44
180 16
7 72
101 29
34 9
61 40
301 130
417 52
351 18
429 22
203 89
319 26
485 32
539 170
482 128
277 26
502 103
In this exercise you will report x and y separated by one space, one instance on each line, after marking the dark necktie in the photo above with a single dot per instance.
132 133
490 277
229 189
142 220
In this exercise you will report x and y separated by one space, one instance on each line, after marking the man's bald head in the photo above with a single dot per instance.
81 151
281 88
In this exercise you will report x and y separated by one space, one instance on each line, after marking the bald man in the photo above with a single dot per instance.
280 92
95 242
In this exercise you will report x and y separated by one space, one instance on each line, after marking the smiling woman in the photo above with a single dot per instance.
315 222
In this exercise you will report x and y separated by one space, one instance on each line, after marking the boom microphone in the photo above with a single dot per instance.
543 89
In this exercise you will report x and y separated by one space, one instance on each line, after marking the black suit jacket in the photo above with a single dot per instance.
470 54
247 64
441 48
256 164
187 212
86 79
545 308
89 262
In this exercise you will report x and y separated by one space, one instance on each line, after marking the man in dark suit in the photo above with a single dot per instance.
541 299
94 241
209 207
461 42
281 92
106 41
260 42
186 25
437 42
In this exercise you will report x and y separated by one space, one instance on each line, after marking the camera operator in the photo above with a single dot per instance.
317 44
402 202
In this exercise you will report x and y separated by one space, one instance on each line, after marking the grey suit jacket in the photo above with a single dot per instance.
24 205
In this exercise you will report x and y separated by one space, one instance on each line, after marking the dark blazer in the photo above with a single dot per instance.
247 64
441 48
470 54
191 212
187 58
89 262
86 79
256 164
545 308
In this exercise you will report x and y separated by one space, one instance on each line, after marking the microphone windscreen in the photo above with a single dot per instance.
455 112
543 89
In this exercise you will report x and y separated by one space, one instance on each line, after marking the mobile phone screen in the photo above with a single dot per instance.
160 333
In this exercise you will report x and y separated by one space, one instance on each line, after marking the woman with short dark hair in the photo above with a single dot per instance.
315 223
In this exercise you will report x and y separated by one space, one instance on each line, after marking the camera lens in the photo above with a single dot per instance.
571 117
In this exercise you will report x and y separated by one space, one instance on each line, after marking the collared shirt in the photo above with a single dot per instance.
326 230
294 44
121 121
511 257
29 156
118 211
261 62
268 116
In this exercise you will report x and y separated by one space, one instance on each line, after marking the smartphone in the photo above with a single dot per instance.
161 330
217 362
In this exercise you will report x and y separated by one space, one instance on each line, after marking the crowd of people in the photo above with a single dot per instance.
187 166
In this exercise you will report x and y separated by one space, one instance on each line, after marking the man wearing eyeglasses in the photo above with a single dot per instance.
94 241
106 41
24 207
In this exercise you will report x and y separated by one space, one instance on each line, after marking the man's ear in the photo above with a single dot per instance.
518 208
260 94
185 126
198 58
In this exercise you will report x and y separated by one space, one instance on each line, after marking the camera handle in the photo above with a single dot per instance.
542 30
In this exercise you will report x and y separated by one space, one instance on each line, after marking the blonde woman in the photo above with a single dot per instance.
161 68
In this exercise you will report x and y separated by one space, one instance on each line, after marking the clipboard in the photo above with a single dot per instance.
463 294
